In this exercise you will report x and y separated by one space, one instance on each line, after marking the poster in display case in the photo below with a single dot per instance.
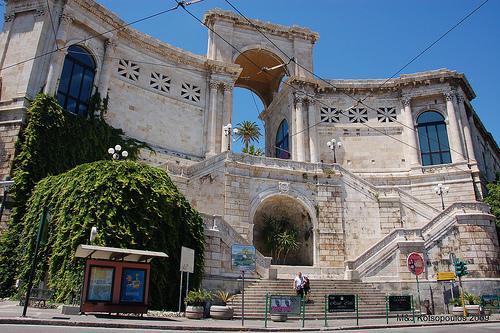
100 287
132 285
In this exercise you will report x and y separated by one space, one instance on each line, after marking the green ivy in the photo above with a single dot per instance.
132 205
53 141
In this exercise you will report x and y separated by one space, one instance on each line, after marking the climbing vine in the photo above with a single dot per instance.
132 205
53 141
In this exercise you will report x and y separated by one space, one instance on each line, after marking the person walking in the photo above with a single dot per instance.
298 284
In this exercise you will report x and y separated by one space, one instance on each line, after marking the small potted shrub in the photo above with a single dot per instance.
221 310
471 305
195 302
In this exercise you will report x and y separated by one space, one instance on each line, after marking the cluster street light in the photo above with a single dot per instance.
441 190
333 145
115 152
228 131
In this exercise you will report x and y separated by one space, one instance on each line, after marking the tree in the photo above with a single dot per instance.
253 151
281 238
248 131
493 200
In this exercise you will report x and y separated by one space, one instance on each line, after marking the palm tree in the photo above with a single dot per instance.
248 131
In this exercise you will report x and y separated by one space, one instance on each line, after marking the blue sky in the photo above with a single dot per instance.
359 39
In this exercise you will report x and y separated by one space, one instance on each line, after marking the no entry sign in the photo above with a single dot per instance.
415 263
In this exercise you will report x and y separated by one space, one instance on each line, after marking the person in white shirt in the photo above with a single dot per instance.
298 284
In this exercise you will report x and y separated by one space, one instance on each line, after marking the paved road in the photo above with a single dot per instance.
477 328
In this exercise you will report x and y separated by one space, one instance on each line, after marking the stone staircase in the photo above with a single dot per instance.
371 299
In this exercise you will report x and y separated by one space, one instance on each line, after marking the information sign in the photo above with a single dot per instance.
100 285
243 257
400 303
187 260
132 290
445 276
341 303
285 304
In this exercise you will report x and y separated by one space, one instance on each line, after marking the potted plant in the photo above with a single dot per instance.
221 310
195 302
471 305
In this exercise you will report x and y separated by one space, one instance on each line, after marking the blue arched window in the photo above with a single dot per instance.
77 79
434 146
282 145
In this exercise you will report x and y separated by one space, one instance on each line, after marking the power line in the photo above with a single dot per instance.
361 101
182 4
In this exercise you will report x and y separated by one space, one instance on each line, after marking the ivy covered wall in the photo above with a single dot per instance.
51 143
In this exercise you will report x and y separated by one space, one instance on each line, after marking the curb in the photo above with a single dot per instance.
51 322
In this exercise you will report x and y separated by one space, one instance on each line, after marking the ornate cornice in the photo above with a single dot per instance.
275 29
449 95
406 101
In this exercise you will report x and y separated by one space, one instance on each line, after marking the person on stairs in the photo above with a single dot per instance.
298 284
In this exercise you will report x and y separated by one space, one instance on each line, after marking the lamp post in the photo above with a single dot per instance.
441 190
333 145
115 152
228 131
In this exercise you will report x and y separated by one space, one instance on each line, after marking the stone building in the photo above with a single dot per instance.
358 213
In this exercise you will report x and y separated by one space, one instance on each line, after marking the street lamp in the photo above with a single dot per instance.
333 145
441 190
228 131
115 152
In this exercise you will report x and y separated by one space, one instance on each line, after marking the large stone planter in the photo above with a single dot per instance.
471 310
279 317
194 312
221 312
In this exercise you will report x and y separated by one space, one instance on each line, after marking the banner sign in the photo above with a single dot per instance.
399 303
341 303
133 281
187 260
100 285
243 257
285 304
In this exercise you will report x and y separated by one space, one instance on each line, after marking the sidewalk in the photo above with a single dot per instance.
10 313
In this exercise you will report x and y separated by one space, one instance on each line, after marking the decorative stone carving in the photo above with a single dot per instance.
39 12
66 19
9 17
283 187
449 95
406 101
298 98
460 98
228 86
214 84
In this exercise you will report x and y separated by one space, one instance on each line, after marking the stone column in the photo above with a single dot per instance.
411 134
57 58
227 115
212 118
454 137
299 126
313 131
107 66
469 144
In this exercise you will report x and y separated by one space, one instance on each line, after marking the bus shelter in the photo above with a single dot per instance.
116 280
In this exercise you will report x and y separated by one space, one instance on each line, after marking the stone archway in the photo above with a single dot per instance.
295 217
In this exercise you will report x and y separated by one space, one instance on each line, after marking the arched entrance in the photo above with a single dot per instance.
283 229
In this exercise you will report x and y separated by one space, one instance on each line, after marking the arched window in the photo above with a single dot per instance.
282 146
77 79
434 146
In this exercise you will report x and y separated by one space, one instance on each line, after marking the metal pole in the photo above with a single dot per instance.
265 311
418 294
326 299
34 261
334 155
4 201
442 200
412 308
452 284
357 311
243 299
303 312
180 294
187 283
462 295
386 310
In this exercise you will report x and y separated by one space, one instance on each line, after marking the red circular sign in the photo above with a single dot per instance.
415 263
